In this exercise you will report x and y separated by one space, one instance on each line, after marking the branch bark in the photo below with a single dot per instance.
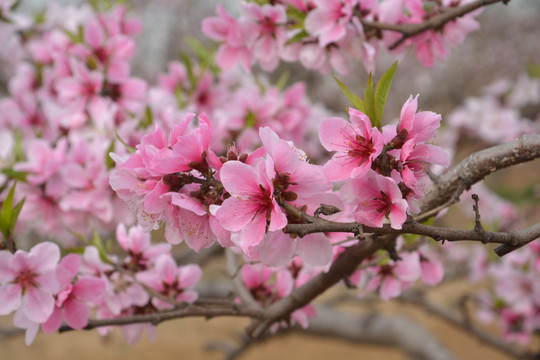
159 317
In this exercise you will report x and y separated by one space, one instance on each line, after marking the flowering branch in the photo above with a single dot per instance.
159 317
433 23
471 170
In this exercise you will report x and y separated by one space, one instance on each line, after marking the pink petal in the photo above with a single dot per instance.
6 273
54 321
10 298
37 305
189 276
277 249
45 256
390 288
315 249
76 314
89 289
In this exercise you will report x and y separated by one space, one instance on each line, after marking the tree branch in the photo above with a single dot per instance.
159 317
479 165
434 23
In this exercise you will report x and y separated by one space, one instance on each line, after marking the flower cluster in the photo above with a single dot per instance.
44 291
319 33
385 170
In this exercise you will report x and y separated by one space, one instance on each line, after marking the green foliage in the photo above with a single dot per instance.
369 103
374 95
108 160
129 148
10 213
353 98
382 91
147 120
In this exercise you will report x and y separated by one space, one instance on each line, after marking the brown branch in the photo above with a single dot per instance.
159 317
433 23
510 239
455 320
479 165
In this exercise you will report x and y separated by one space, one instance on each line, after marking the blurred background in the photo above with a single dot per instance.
509 40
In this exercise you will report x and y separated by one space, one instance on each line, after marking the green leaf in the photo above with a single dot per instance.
383 87
353 98
129 148
96 241
295 14
109 162
297 37
148 118
7 205
282 81
14 174
189 68
15 215
369 103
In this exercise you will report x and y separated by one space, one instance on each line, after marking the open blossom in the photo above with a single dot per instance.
376 198
172 281
269 20
73 297
329 19
137 244
420 126
392 278
235 35
28 281
357 145
252 203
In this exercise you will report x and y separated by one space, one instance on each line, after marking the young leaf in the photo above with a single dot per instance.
108 160
383 87
7 206
129 148
353 98
98 243
15 215
369 103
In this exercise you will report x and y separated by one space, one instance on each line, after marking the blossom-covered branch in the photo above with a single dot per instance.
433 23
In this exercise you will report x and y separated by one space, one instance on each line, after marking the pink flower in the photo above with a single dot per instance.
376 197
357 145
393 278
294 174
172 281
251 204
329 19
420 126
71 300
268 20
235 35
28 281
137 244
